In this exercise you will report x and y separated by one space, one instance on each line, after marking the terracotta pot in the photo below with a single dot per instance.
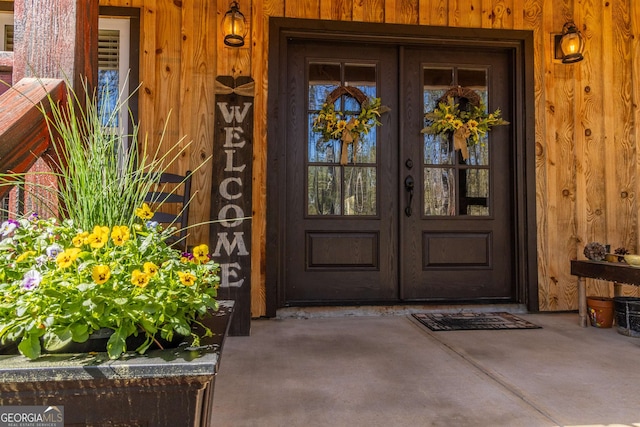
600 311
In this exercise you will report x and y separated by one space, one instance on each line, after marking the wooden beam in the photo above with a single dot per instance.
24 135
57 39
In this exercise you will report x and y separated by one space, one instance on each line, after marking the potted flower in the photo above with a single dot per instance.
101 264
61 283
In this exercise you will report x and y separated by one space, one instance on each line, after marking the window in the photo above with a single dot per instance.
113 66
6 33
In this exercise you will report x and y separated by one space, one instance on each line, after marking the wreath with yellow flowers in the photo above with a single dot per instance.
333 125
461 113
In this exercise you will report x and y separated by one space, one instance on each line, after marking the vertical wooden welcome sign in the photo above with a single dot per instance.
230 235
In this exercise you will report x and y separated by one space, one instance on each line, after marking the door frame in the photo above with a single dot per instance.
281 30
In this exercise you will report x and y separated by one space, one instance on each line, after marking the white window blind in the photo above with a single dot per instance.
108 49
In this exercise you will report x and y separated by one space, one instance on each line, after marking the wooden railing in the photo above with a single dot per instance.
24 136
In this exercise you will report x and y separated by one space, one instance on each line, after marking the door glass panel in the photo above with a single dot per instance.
341 189
320 150
479 153
366 152
436 82
474 78
360 191
324 195
362 76
439 192
438 150
475 198
464 188
323 79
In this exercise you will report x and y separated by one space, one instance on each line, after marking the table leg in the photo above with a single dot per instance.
582 301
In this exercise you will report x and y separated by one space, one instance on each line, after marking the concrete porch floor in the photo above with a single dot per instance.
387 370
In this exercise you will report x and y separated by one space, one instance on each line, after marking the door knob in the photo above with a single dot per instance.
409 185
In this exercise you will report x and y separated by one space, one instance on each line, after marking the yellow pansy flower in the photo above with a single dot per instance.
472 124
201 253
100 273
144 212
25 255
150 268
139 278
120 234
66 258
80 239
96 241
187 279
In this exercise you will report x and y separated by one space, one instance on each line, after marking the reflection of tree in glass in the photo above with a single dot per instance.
324 197
108 81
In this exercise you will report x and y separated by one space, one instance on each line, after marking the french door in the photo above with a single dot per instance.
406 217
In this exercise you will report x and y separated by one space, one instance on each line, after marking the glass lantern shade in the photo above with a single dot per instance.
234 26
571 43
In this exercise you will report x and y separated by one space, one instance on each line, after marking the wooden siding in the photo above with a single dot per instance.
586 137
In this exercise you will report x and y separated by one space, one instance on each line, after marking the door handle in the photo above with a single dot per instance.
409 185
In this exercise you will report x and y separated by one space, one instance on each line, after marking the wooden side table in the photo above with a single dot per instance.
616 272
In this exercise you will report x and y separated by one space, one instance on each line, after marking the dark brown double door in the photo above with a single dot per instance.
407 218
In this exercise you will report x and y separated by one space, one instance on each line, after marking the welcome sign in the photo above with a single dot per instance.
230 233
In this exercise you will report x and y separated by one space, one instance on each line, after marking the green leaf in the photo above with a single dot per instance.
54 342
79 332
144 346
182 328
30 346
117 343
148 326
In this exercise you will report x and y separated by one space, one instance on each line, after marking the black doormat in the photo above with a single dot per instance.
472 321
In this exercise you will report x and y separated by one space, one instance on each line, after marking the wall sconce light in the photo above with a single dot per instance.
569 45
234 26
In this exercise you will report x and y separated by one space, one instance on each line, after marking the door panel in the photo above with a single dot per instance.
341 234
456 243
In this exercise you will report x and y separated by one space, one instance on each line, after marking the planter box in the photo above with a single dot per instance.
171 387
627 311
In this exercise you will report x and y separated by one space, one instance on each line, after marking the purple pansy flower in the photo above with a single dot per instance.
31 280
41 260
8 226
53 250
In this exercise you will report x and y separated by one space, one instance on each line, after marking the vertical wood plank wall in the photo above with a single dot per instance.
587 135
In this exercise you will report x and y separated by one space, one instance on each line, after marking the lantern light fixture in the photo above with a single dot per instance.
234 26
569 45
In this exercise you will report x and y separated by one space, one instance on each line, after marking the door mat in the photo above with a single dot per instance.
472 321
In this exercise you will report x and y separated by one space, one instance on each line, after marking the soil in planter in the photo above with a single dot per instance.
97 342
627 312
600 311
